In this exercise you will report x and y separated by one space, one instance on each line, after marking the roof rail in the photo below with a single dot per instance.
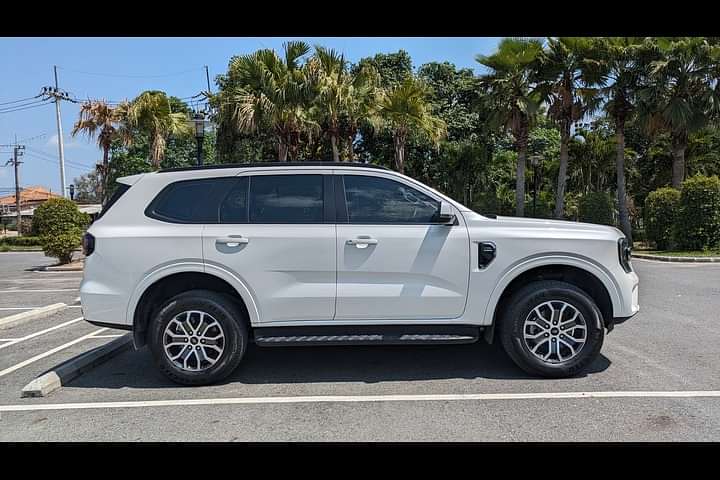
273 165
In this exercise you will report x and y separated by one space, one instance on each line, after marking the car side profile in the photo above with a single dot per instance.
198 262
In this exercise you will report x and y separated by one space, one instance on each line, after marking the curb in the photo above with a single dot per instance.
73 368
63 268
662 258
32 314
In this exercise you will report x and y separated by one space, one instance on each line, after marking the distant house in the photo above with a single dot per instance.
31 198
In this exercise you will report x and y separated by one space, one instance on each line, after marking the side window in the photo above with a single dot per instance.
286 199
190 201
374 200
234 208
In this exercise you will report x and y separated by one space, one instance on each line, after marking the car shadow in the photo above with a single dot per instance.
364 364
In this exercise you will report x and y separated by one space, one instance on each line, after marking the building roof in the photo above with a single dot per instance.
29 194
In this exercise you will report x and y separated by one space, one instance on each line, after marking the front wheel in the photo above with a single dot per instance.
552 329
198 338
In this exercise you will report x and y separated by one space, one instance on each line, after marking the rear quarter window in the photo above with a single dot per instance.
190 201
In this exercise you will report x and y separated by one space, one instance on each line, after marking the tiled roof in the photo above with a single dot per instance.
29 194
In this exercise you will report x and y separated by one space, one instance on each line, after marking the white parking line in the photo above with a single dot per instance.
359 399
48 353
13 341
24 290
18 308
110 336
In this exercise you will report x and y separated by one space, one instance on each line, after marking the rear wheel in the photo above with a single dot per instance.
199 337
552 329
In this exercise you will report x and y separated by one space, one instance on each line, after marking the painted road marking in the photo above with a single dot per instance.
359 399
24 290
48 353
110 336
41 332
18 308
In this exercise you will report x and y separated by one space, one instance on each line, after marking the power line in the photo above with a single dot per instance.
40 104
18 101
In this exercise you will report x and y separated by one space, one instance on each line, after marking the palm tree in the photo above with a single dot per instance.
510 90
98 119
623 61
405 110
275 93
566 76
333 92
344 99
678 97
151 112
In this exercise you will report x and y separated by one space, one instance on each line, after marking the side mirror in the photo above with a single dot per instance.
446 215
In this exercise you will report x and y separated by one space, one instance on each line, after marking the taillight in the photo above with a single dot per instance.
88 244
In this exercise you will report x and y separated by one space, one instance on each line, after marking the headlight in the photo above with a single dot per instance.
624 254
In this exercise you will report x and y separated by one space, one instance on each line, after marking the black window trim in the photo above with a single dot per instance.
342 200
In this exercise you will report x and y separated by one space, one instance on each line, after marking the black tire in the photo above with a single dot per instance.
228 315
519 307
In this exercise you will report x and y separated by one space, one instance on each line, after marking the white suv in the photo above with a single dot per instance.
198 262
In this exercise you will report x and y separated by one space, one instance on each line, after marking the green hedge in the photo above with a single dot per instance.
698 223
597 207
21 241
60 225
660 213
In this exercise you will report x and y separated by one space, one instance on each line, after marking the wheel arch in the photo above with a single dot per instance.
174 279
581 272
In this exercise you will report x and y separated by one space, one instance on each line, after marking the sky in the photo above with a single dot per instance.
120 68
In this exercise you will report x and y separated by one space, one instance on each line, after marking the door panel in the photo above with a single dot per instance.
401 270
289 269
274 235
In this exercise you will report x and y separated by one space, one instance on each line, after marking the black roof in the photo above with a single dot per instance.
274 164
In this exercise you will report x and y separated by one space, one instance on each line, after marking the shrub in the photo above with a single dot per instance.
21 241
698 222
661 209
62 245
58 215
60 225
597 207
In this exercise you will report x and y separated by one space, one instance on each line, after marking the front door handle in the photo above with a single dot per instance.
232 240
362 241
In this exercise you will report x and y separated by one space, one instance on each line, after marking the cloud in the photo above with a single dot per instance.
69 143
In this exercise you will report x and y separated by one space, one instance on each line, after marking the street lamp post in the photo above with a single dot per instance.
199 121
535 161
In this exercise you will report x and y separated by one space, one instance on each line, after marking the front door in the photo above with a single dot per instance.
394 262
276 234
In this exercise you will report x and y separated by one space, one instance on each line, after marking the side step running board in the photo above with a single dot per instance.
366 335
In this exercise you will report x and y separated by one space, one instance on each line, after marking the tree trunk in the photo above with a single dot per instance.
679 144
351 151
562 173
620 167
282 151
522 142
336 152
399 143
103 180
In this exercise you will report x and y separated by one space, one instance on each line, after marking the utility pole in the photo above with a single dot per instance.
58 95
207 77
61 148
17 152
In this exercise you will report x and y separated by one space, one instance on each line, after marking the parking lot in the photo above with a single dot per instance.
657 380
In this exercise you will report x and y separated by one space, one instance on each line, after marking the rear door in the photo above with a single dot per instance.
394 261
276 233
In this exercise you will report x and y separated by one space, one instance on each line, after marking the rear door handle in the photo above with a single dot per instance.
362 241
232 240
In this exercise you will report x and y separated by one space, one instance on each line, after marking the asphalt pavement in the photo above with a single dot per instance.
651 382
